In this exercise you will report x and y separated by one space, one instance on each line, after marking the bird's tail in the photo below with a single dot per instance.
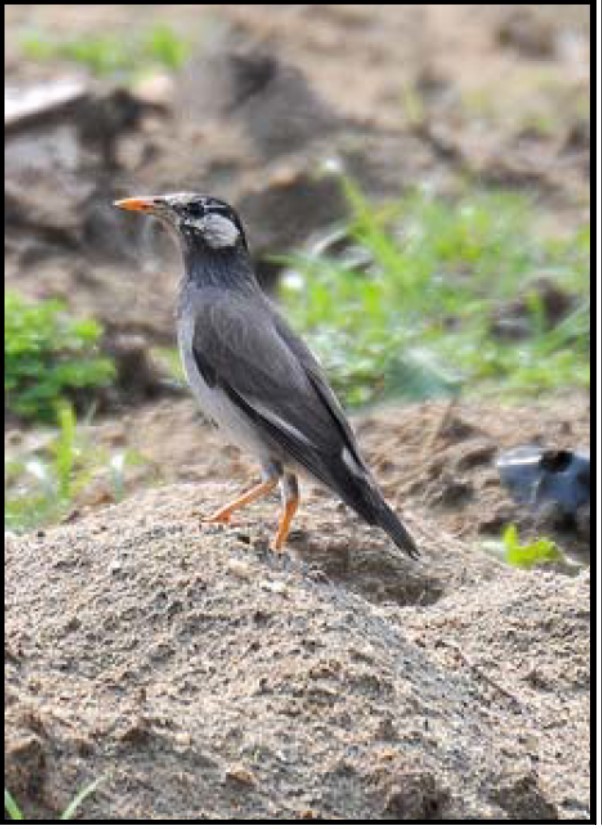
361 493
390 523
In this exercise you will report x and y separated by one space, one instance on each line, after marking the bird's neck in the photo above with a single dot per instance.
228 267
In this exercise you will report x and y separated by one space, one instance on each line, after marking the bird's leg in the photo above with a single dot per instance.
223 515
289 490
271 474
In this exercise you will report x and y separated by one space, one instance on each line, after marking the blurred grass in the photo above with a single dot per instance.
49 357
53 364
14 811
43 484
416 320
122 54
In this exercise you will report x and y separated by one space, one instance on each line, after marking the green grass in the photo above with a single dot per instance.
122 54
53 364
42 486
14 812
49 357
417 323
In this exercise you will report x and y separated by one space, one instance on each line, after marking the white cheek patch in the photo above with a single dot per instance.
217 231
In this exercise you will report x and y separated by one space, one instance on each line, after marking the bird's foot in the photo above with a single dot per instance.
294 566
275 557
312 572
220 517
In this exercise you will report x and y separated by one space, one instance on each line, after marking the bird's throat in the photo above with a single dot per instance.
228 267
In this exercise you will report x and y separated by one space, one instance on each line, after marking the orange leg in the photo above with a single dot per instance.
290 504
223 515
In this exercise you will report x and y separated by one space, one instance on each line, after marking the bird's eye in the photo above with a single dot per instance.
196 210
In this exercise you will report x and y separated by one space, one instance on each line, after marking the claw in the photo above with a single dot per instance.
218 518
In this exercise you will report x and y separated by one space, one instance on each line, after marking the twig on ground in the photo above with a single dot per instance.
479 673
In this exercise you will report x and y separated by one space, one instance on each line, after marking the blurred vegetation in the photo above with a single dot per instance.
123 54
415 319
52 362
49 357
44 483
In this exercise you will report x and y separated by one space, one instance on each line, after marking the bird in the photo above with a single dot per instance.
254 377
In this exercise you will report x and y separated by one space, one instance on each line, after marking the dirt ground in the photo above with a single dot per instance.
207 680
198 675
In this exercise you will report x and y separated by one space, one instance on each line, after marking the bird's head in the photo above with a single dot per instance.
199 221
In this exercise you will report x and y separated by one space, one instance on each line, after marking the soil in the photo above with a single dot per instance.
207 679
200 676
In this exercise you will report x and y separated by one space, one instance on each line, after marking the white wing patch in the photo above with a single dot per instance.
351 463
280 423
218 231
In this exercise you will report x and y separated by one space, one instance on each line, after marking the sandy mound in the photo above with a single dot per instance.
208 681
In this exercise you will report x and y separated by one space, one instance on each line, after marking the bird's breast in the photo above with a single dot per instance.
214 402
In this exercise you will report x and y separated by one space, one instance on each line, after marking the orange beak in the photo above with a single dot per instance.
146 204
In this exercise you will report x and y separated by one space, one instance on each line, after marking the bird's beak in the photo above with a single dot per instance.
146 204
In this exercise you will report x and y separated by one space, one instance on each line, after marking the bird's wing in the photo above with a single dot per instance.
318 380
247 350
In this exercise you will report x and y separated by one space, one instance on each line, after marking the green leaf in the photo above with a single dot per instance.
11 808
417 376
529 554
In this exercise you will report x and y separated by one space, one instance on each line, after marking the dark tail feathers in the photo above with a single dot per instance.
363 496
390 523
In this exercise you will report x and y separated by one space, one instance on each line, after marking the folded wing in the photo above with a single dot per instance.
249 352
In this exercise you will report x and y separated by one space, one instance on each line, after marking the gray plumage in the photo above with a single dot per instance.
251 374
